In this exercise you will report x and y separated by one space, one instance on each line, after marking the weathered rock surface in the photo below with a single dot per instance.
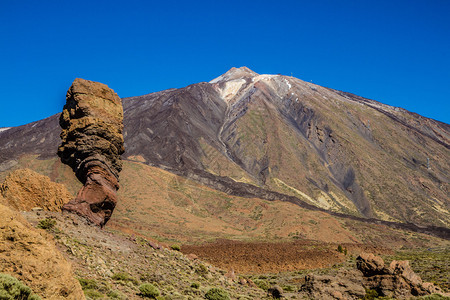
31 255
92 142
345 285
275 292
398 281
370 264
24 189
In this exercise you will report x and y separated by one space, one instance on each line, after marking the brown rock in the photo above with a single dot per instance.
432 289
402 268
92 142
231 275
25 190
31 256
275 291
192 256
250 283
398 281
370 264
346 285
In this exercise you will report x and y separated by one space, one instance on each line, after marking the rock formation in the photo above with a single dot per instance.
92 142
24 189
398 281
31 255
347 284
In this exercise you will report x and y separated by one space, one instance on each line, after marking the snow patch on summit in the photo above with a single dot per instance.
263 77
231 88
5 128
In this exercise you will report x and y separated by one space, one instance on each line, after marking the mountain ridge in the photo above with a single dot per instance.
328 148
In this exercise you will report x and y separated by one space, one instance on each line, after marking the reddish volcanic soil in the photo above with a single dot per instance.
264 257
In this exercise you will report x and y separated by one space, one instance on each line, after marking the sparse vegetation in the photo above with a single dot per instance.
11 288
262 284
93 294
148 290
116 295
217 294
288 288
430 265
434 297
201 270
341 249
195 285
46 224
124 278
175 247
88 284
371 295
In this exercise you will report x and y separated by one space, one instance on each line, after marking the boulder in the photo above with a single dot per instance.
275 292
396 281
345 285
26 190
370 264
91 143
402 268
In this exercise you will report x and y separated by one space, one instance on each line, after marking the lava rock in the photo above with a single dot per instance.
92 142
370 264
347 285
398 281
275 291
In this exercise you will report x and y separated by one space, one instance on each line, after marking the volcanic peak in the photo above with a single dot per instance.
237 82
235 73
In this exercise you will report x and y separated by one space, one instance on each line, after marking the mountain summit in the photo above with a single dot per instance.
235 73
275 136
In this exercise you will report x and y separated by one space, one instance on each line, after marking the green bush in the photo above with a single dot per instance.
93 294
201 270
88 284
46 224
176 247
340 249
116 295
195 285
288 288
262 284
149 290
370 295
124 277
11 288
217 294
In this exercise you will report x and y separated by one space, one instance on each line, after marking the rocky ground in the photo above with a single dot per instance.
112 265
271 257
31 255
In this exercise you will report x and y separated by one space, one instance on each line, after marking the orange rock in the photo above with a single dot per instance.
31 256
24 190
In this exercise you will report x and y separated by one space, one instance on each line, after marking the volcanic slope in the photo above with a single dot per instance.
264 135
331 149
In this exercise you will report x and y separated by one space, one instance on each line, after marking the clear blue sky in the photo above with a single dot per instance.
396 52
